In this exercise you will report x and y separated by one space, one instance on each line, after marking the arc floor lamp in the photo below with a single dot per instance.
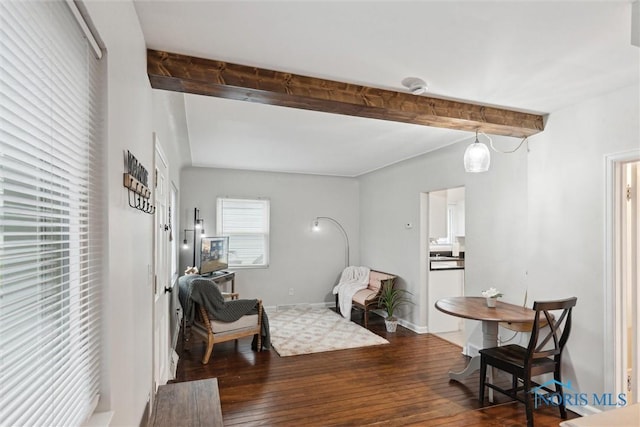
316 227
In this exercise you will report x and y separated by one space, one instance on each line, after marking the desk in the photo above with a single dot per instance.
223 278
475 308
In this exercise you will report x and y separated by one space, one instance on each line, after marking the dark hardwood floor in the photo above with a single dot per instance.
400 384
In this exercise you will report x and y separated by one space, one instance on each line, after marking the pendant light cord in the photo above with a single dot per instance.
526 138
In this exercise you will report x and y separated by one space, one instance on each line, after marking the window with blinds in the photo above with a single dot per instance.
246 222
51 217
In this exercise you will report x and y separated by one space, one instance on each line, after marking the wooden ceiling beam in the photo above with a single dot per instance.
182 73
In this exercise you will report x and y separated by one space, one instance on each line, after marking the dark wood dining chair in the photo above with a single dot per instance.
543 355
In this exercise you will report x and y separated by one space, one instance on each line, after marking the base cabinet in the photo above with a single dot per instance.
443 284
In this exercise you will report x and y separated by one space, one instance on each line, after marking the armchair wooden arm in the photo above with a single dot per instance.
213 331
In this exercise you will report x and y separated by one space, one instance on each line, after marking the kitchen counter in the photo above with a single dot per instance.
445 261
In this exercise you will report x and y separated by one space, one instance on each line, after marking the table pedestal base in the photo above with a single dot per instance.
472 366
489 339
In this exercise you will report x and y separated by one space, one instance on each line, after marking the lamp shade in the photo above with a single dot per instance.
477 157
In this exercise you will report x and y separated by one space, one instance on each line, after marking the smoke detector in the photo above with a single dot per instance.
416 85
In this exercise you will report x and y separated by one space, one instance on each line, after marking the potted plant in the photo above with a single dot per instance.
390 299
492 295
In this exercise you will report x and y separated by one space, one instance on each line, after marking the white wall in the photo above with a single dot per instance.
310 262
170 125
127 350
534 222
127 316
495 226
566 251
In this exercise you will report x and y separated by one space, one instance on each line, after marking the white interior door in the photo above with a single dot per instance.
161 341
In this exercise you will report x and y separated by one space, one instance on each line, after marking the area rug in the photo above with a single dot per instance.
305 329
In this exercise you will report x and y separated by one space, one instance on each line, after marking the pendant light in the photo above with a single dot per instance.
477 157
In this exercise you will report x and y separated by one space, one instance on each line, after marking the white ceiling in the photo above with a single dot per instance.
526 55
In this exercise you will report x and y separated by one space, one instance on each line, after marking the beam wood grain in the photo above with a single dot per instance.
187 74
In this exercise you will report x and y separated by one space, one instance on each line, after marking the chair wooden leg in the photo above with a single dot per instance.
207 353
558 378
483 379
186 337
514 385
366 318
528 403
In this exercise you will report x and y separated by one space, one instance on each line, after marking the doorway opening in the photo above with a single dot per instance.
622 293
629 269
445 254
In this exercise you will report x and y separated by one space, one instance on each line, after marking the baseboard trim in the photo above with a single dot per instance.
471 350
99 419
413 327
176 329
146 415
173 367
404 323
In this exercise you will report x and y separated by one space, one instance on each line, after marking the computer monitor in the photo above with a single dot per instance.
214 254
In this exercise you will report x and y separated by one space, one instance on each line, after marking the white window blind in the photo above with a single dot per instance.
51 221
246 222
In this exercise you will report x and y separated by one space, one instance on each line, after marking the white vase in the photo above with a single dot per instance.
491 302
391 325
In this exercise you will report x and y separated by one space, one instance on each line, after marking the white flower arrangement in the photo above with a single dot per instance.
491 293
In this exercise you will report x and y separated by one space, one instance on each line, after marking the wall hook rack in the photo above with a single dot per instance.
139 195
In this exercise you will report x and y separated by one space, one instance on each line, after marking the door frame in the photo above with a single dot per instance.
158 291
614 293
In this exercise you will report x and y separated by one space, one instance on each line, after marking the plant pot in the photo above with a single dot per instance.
391 324
491 302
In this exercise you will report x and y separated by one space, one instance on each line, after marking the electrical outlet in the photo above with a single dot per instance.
291 291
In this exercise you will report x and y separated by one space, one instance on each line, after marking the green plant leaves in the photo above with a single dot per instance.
391 298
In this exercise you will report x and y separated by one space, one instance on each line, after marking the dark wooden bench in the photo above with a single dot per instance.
188 404
367 299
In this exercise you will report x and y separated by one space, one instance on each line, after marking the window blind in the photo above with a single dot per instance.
51 220
246 222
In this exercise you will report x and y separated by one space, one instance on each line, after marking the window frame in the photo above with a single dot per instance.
265 233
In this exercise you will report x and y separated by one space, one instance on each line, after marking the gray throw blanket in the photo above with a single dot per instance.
195 289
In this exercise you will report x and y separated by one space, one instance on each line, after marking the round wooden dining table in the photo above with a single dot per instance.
475 308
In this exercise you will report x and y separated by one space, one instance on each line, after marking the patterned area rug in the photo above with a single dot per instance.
304 329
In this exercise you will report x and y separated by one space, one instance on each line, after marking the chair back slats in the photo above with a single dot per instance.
540 344
543 355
